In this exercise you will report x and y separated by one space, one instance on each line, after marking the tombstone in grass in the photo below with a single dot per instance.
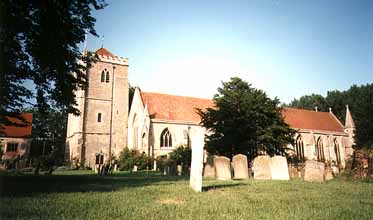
179 169
240 167
222 168
209 169
196 170
279 168
261 168
314 171
328 175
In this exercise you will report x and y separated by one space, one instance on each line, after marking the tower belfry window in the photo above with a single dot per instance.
103 76
107 77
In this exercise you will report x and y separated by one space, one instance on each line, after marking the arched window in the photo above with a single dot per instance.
336 150
299 148
107 77
99 117
320 150
166 139
103 75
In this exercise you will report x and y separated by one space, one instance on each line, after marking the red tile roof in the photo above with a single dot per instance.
183 109
174 108
104 52
17 131
312 120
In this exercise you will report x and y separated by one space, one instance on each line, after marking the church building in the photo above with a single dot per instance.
159 123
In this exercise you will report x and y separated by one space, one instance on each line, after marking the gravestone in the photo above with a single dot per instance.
179 169
134 168
279 168
196 170
261 168
240 167
328 174
222 168
209 169
314 171
294 172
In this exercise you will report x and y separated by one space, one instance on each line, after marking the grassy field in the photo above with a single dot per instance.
83 195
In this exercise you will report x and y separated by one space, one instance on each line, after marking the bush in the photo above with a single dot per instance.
129 158
180 156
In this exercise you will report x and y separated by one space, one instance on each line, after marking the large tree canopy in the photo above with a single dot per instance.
360 101
244 120
39 42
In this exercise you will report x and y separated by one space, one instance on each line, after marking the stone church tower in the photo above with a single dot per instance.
101 128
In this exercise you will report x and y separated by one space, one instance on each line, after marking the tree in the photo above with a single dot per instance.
39 42
310 102
360 101
244 120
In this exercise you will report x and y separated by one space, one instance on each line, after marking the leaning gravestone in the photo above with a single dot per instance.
222 168
196 170
209 169
314 171
240 167
261 168
279 168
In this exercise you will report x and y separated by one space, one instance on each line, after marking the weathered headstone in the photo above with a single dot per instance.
196 170
134 168
222 168
155 165
279 168
314 171
294 172
179 170
240 167
261 168
209 169
328 174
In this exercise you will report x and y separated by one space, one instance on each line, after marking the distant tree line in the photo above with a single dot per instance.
360 101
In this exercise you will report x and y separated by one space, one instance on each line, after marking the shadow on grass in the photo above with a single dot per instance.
26 185
220 186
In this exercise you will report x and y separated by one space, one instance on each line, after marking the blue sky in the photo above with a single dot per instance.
286 48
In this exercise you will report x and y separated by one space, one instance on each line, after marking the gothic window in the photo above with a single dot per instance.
166 139
99 117
337 153
299 149
320 150
107 77
11 147
103 75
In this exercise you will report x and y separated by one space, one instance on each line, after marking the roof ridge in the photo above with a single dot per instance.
306 110
183 96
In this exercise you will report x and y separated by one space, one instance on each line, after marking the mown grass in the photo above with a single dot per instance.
84 195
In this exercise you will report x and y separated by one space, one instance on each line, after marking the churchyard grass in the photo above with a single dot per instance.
123 195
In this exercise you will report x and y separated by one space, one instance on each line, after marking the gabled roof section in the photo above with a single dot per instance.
174 108
17 131
312 120
104 52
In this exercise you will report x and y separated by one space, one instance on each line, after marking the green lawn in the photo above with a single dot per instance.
83 195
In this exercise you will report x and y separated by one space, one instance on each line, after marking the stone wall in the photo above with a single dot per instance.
99 100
